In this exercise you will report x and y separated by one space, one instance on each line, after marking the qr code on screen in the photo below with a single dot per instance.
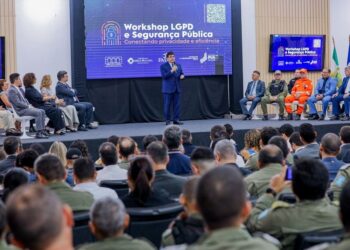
317 43
216 13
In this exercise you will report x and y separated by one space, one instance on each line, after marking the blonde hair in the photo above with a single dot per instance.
46 82
252 139
60 150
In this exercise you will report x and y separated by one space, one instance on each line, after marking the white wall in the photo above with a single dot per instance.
43 37
340 29
248 40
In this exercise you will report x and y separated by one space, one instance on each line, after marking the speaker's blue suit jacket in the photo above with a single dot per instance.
170 80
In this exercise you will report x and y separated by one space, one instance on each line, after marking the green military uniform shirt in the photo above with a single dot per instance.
343 245
340 180
124 242
232 239
252 162
124 164
259 181
284 221
277 82
77 200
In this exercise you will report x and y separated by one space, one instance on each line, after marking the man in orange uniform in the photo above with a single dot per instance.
301 92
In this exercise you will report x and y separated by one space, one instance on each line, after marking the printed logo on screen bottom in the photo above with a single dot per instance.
113 61
208 58
140 60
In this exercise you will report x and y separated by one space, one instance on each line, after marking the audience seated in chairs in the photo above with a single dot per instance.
344 153
53 220
280 142
111 170
72 155
82 146
108 220
187 142
286 130
38 147
226 155
313 211
51 173
140 178
22 107
38 101
69 95
112 139
6 117
14 178
189 226
251 144
26 161
270 163
266 133
179 163
225 213
308 136
69 112
163 179
202 160
147 140
217 132
329 148
127 149
85 179
254 92
12 147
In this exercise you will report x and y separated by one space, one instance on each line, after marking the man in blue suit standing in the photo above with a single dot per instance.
343 94
325 88
255 91
171 75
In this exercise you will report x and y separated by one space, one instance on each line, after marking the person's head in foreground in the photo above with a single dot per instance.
38 220
188 195
345 207
49 168
108 218
219 208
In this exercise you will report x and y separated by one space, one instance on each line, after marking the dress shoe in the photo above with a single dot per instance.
41 135
334 118
71 129
91 126
178 123
13 132
321 118
313 117
265 117
345 118
60 132
297 117
82 128
247 117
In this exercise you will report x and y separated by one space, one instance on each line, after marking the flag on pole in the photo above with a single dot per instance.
336 73
348 61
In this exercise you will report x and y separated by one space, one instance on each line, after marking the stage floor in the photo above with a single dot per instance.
199 128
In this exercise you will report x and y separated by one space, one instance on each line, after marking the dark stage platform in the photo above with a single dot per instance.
200 131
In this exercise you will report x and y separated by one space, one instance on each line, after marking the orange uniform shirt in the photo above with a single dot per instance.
303 86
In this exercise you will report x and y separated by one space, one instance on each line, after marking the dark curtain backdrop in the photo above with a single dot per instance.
140 99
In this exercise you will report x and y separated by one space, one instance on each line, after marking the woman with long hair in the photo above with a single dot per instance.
140 178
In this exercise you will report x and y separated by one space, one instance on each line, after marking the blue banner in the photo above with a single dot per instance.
129 38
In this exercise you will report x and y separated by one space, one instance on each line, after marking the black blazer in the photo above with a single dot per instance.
155 199
7 164
344 154
35 98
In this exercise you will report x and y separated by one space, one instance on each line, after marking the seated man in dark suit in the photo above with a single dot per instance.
225 155
179 163
163 179
308 136
345 144
255 91
69 95
21 105
51 173
12 147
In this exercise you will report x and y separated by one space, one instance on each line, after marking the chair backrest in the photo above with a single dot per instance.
119 186
287 197
150 223
307 240
81 231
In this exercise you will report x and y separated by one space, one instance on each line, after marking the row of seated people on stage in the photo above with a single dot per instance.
63 109
224 204
299 89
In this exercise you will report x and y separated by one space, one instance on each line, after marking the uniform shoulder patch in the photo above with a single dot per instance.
340 181
279 204
346 166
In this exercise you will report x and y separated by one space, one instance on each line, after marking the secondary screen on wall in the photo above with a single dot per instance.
128 39
2 57
291 52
